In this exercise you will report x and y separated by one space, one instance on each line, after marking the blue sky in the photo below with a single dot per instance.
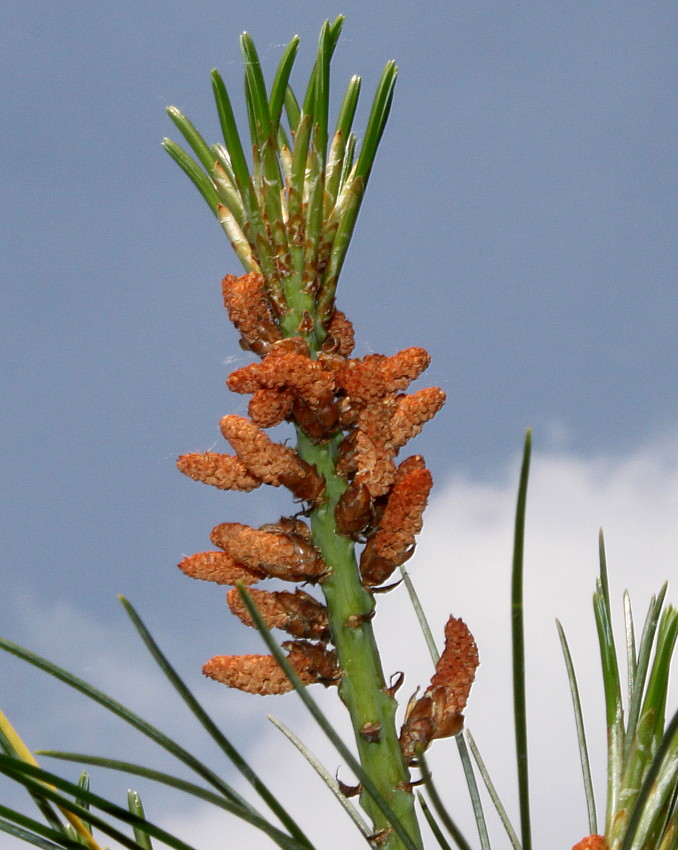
519 223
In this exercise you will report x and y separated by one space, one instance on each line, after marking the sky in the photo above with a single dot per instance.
519 224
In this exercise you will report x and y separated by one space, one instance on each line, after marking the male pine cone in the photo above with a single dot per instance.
357 405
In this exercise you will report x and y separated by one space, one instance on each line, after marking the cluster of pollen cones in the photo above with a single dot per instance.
359 407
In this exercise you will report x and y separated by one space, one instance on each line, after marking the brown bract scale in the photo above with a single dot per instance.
346 465
288 525
219 568
298 614
353 511
331 361
276 555
223 471
308 618
291 345
371 732
445 723
417 730
375 569
425 720
340 335
380 837
349 790
306 324
304 482
318 423
315 659
248 307
348 413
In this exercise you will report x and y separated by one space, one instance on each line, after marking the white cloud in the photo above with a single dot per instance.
462 566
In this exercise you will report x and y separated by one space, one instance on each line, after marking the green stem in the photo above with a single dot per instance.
301 306
363 688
